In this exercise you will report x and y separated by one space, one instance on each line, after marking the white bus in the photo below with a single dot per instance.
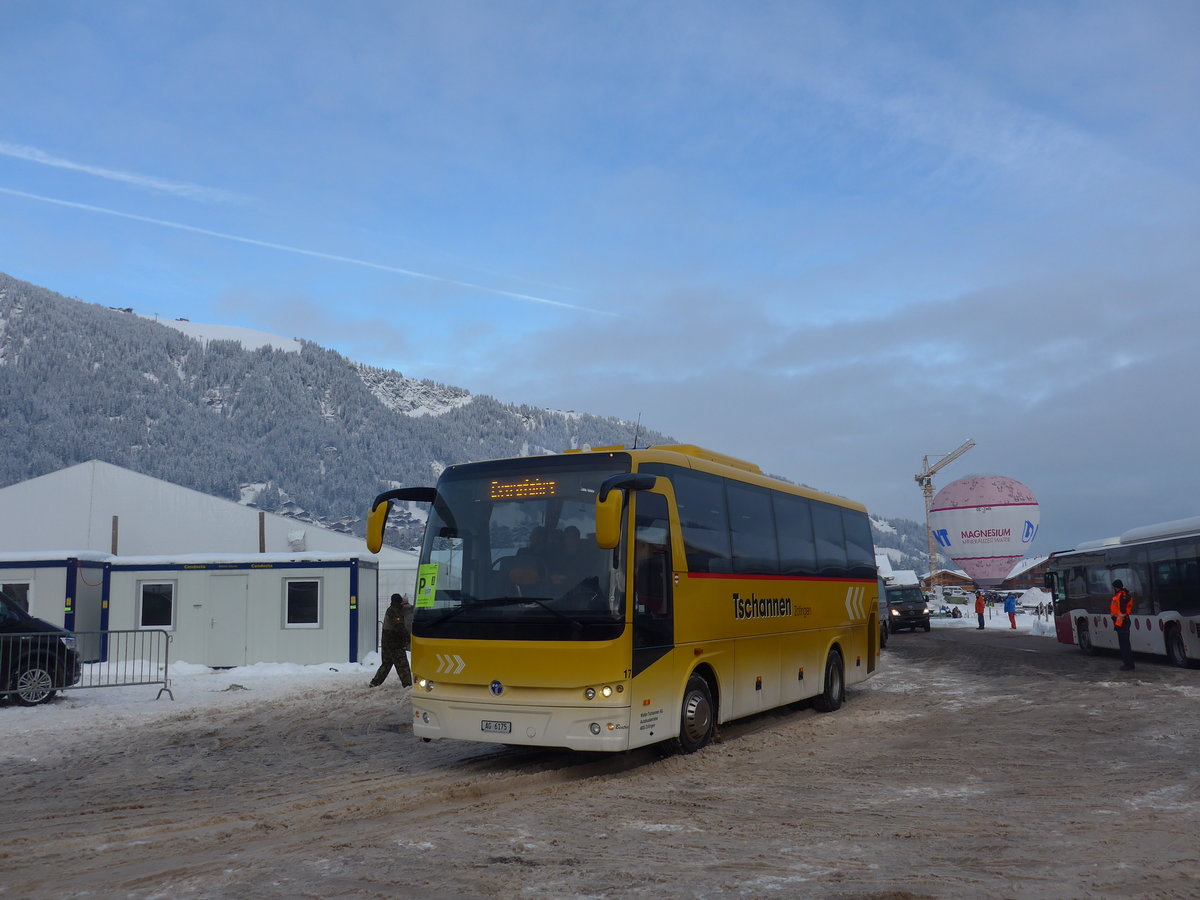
1159 566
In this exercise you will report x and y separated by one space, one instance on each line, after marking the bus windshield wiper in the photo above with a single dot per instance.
448 614
451 613
509 601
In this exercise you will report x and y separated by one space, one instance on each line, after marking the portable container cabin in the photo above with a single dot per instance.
230 610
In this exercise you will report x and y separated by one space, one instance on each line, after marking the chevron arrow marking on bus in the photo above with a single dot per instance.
450 665
854 602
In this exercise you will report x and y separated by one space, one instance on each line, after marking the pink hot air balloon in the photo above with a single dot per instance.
985 523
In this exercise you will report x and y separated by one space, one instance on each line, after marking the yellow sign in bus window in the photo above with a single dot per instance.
525 489
427 577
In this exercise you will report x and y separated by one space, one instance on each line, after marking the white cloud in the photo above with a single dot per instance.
149 182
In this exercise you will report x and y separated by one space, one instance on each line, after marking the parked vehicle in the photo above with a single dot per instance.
907 608
37 659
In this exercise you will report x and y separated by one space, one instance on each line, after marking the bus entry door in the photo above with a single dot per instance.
653 603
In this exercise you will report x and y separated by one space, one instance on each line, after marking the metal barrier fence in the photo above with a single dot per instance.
33 666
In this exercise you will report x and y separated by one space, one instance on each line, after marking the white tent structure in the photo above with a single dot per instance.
98 507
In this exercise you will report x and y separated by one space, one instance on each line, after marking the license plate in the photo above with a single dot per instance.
496 727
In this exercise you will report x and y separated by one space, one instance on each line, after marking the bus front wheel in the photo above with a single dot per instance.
835 684
696 719
1085 636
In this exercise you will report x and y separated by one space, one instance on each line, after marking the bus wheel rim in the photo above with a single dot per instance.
697 716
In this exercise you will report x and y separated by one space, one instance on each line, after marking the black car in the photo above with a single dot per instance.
37 659
907 609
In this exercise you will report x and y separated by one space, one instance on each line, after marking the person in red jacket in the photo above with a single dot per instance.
1121 608
979 608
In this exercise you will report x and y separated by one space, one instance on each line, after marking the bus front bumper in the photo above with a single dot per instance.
599 728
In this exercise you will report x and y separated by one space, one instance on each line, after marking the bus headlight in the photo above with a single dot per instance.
589 694
606 691
594 728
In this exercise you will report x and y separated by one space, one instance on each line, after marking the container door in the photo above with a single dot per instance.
227 608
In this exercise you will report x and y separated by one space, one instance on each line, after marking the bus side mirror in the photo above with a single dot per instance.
382 505
609 505
608 520
376 520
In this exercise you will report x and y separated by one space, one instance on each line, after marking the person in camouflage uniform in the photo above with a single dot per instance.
397 632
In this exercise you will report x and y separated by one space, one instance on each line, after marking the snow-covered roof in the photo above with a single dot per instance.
247 559
76 507
34 556
1025 565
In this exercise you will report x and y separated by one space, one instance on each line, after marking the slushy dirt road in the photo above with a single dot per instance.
975 764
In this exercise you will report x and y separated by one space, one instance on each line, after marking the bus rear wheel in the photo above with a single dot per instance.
1176 651
835 684
696 719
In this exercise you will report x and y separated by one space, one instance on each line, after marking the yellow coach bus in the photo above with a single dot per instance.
612 598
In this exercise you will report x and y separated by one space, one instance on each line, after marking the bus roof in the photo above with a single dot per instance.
1142 534
694 457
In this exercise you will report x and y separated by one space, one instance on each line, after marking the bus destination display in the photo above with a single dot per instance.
525 489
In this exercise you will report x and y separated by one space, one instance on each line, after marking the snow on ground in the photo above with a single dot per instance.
1027 623
196 689
996 617
282 781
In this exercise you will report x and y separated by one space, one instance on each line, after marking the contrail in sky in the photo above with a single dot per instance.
177 188
302 252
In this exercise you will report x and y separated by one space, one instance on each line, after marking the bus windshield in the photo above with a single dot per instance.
514 547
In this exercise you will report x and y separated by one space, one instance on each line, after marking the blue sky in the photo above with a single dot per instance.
828 237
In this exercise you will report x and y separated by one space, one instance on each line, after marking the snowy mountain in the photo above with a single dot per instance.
277 423
903 541
284 425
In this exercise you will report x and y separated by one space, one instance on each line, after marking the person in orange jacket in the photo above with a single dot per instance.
979 608
1121 608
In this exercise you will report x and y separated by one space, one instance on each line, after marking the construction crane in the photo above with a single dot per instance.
925 480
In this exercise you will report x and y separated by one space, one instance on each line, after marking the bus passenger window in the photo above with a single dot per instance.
793 524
